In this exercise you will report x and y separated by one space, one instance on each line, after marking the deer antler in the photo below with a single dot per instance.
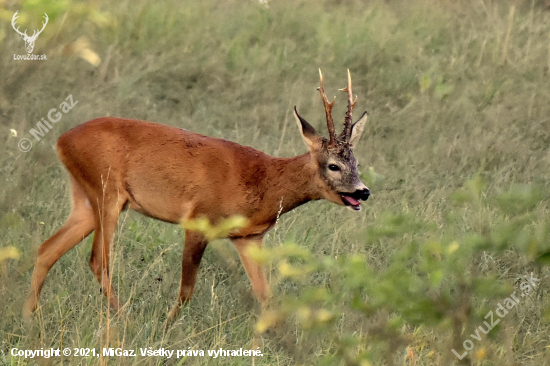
328 111
24 34
15 16
346 133
35 35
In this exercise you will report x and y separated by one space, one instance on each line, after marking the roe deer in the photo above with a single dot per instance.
172 175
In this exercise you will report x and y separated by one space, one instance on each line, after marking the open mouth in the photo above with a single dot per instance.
352 200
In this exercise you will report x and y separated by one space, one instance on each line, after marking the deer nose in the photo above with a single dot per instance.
363 194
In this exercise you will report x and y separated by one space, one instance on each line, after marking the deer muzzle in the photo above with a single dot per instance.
352 200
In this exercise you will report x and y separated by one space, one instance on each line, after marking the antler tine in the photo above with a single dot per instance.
346 134
44 24
328 111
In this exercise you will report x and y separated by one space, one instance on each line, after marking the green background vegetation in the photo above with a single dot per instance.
456 153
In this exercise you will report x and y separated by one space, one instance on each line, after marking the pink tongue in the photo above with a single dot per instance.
352 201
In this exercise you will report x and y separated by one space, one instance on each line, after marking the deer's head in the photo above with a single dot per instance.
29 40
337 176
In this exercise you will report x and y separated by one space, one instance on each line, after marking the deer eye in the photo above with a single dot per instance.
334 167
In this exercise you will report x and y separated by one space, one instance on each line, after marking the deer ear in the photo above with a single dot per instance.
310 136
357 129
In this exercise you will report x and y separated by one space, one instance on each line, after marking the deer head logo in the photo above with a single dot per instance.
29 41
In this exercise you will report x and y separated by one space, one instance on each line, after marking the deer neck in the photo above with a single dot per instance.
293 182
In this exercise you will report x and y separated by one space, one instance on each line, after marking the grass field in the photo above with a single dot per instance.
456 154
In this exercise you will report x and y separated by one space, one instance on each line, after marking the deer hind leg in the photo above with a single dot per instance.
79 225
195 244
255 272
107 208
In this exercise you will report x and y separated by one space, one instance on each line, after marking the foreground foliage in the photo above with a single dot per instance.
437 286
